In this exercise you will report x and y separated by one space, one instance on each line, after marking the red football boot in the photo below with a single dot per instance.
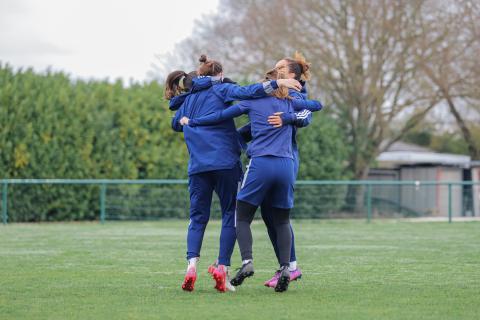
220 277
190 278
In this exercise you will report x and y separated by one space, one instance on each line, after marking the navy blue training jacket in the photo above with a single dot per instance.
214 147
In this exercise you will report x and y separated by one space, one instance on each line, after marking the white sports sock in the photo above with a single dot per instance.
192 262
246 261
292 266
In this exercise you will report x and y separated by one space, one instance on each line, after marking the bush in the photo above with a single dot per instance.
53 127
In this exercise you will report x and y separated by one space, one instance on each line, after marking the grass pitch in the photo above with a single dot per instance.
133 270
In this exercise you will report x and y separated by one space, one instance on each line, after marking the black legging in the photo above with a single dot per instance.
267 215
281 221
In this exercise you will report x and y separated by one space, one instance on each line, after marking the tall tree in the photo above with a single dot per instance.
452 67
366 57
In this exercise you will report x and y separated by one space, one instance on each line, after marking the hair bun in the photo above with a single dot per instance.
203 58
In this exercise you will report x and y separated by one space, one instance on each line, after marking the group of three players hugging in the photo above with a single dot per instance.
203 101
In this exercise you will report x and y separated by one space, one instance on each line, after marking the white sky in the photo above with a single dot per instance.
95 38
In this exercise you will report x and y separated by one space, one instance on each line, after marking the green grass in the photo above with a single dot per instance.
133 270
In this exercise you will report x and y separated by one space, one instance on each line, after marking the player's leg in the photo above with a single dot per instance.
252 192
201 188
295 272
281 220
244 216
266 211
226 186
267 216
282 200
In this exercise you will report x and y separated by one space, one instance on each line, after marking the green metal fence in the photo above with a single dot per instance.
65 199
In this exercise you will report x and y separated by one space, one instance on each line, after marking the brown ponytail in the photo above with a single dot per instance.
299 66
177 82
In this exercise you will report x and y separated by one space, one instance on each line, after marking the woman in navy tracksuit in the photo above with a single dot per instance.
296 68
270 172
214 161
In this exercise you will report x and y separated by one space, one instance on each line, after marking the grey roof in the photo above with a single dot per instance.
403 146
401 153
475 163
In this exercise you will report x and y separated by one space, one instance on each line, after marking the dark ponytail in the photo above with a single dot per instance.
177 82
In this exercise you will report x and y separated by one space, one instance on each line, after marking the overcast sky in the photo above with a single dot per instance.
95 38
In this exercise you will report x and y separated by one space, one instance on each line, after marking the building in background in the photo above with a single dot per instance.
475 165
408 162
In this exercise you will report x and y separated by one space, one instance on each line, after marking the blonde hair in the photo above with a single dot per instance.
281 92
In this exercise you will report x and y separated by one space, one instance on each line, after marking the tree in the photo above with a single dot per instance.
366 57
452 67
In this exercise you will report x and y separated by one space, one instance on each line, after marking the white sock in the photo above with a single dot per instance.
246 261
292 266
192 262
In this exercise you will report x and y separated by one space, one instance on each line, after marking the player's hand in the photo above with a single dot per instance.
275 120
184 121
289 83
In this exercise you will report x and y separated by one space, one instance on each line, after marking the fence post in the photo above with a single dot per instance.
449 203
4 202
103 194
369 202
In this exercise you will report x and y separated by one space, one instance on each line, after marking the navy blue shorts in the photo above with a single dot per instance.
271 177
